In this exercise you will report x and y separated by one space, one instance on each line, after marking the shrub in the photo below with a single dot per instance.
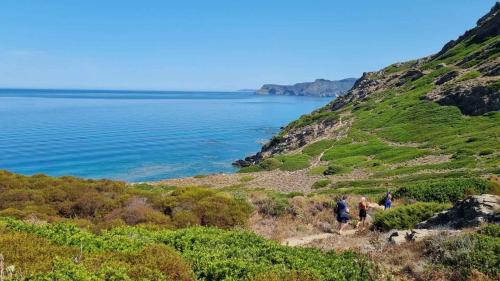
318 170
485 152
335 170
442 190
273 206
137 211
492 230
466 253
270 164
246 178
211 208
289 276
251 169
405 217
215 254
321 183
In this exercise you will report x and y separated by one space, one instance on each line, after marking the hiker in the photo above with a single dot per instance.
363 208
388 201
342 211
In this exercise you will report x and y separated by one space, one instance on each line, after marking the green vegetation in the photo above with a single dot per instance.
214 254
408 216
321 183
466 253
470 75
318 147
101 204
443 190
294 162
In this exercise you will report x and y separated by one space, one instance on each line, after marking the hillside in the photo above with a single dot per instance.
436 113
319 88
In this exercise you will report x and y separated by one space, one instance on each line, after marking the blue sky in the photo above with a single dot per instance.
216 45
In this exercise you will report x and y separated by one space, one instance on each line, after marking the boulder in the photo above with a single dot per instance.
441 65
470 212
327 227
472 98
446 77
398 237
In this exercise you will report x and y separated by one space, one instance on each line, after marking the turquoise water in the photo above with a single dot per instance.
137 136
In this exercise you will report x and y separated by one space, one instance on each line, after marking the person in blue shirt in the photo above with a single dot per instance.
342 210
388 201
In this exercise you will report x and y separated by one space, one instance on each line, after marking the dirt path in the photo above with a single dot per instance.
301 241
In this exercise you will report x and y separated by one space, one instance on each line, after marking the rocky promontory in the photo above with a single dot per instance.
318 88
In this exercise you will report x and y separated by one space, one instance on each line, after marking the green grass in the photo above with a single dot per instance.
316 148
318 170
294 162
469 75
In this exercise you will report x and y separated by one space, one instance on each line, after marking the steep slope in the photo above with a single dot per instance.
435 113
320 88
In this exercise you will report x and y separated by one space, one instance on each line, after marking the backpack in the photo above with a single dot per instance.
336 209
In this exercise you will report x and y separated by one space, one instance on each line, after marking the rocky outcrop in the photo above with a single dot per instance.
472 98
446 77
319 88
470 212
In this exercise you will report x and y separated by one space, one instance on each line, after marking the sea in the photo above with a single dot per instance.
138 136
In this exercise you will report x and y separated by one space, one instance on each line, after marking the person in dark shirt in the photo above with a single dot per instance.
363 208
342 213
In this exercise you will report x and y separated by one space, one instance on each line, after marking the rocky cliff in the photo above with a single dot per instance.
320 88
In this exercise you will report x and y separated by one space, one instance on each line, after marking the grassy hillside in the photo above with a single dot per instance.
433 117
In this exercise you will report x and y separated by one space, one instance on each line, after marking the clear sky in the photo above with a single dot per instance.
217 45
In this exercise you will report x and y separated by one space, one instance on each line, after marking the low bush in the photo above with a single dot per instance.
36 258
336 170
466 253
321 183
408 216
251 169
318 170
270 164
273 206
204 206
214 254
246 178
492 230
442 190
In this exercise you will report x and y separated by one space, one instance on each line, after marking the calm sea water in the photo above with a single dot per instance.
137 136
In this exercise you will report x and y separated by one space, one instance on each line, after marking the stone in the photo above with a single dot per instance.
471 212
446 77
326 227
471 98
441 65
397 237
